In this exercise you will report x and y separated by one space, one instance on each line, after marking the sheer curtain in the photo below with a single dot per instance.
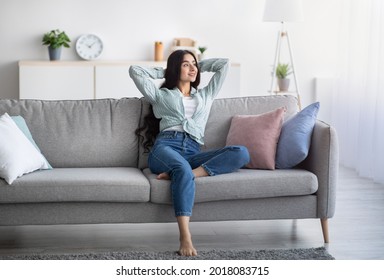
358 108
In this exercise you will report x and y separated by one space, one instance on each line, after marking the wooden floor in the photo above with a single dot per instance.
356 231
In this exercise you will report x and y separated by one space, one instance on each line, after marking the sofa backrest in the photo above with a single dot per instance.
85 133
101 133
223 110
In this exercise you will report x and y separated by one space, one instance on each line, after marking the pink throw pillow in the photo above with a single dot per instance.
260 134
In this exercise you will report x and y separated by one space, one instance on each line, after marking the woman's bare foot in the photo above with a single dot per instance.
163 176
186 246
200 172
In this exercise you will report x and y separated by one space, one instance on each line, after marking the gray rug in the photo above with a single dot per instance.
275 254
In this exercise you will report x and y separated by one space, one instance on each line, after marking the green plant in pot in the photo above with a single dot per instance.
282 71
55 40
201 52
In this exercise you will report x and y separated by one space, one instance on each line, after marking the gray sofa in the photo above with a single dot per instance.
100 172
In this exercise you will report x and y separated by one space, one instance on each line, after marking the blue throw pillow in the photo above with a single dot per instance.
22 125
295 137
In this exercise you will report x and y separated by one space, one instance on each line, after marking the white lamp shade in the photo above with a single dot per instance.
283 10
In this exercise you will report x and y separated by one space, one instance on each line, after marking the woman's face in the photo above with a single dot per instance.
189 70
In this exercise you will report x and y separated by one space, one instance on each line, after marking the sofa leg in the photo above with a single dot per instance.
324 227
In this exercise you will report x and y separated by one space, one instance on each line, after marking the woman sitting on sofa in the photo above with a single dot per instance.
183 111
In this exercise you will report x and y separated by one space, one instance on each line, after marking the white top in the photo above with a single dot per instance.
190 105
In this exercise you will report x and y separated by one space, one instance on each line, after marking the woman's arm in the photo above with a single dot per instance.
142 77
220 67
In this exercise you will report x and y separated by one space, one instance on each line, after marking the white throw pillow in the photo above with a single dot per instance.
18 156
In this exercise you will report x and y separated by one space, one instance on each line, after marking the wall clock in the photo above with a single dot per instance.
89 46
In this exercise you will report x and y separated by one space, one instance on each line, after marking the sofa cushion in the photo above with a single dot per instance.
82 133
295 137
259 133
22 125
223 110
243 184
18 155
112 184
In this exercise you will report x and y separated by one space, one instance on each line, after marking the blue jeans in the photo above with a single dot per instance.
177 154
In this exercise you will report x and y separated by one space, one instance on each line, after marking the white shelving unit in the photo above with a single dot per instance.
76 80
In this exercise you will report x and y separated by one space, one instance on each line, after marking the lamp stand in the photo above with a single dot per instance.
280 36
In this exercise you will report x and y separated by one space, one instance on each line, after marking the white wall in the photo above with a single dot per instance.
230 28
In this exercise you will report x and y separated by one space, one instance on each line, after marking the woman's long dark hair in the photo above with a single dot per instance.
172 76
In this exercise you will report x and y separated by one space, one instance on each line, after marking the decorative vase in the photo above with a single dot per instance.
283 84
159 51
54 54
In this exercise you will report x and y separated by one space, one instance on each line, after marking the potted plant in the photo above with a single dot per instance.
201 50
282 71
55 40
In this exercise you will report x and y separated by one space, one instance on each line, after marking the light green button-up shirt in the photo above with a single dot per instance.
168 104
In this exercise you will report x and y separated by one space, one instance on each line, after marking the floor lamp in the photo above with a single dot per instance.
283 11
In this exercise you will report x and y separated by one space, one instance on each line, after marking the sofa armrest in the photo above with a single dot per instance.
323 161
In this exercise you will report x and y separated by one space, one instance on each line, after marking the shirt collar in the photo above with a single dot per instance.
193 90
